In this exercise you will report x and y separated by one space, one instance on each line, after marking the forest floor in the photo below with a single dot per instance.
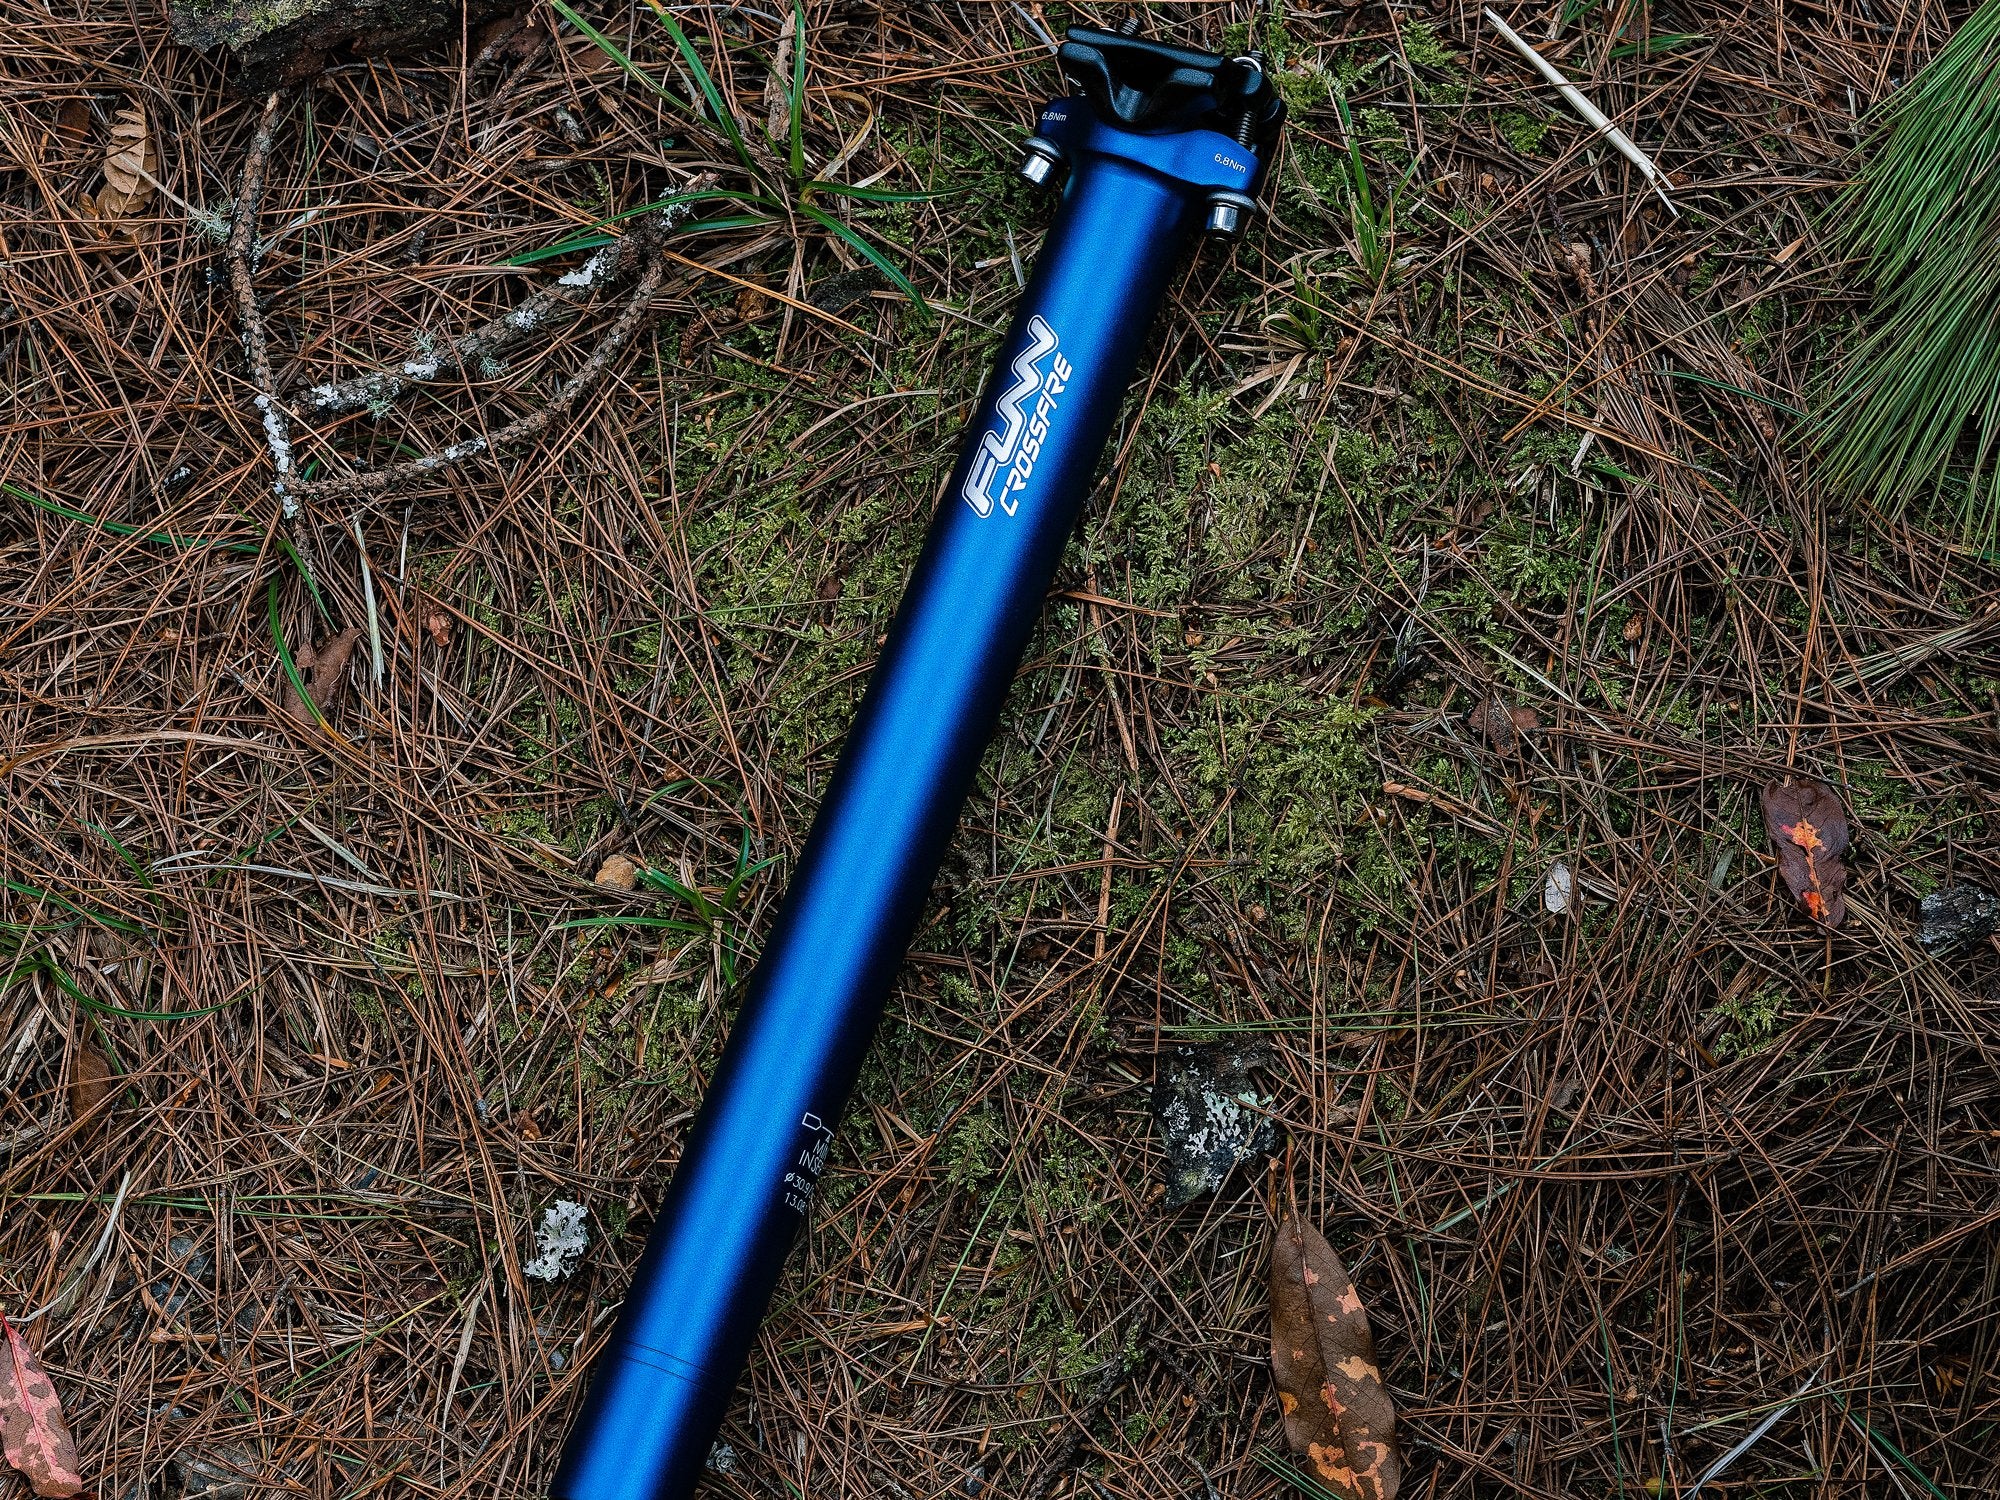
316 1013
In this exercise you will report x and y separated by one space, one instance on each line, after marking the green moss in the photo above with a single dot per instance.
1523 131
1426 49
975 1150
1748 1021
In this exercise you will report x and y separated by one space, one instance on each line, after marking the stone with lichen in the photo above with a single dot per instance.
1210 1116
277 42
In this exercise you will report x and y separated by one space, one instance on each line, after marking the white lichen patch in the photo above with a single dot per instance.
561 1239
597 268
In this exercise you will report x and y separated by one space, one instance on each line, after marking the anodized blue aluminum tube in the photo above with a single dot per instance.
745 1181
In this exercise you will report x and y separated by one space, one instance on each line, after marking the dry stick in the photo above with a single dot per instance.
377 480
1121 1370
242 251
542 311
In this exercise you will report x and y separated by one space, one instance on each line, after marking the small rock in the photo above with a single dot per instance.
618 872
1207 1112
1957 917
225 1472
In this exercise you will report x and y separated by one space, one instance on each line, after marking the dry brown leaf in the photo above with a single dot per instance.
32 1430
1337 1411
1808 827
325 673
1501 725
72 123
129 166
438 625
618 872
90 1080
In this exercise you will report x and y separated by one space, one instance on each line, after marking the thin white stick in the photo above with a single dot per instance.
1596 117
368 593
1715 1469
103 1242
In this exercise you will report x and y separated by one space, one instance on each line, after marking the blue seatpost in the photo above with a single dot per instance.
1156 145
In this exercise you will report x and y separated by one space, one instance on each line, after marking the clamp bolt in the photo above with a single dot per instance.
1228 213
1040 159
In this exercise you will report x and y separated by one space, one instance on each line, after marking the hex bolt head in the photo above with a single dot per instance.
1228 214
1040 160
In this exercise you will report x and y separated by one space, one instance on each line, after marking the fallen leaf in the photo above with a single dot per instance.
32 1430
129 166
1501 725
325 672
1337 1411
438 625
617 872
90 1079
72 123
1558 890
1808 826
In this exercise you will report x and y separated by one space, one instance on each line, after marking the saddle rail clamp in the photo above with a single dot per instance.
1158 144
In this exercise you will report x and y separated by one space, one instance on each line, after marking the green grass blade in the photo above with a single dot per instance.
798 90
877 195
617 54
874 257
1653 46
285 655
119 528
667 924
592 237
706 83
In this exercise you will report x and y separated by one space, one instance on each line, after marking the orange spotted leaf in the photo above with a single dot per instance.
1337 1411
32 1429
1808 829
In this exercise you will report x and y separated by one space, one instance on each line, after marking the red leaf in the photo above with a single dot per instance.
32 1429
1808 829
1338 1413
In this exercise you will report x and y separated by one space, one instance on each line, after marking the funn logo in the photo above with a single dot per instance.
1014 445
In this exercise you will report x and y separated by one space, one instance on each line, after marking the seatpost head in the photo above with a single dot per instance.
1148 87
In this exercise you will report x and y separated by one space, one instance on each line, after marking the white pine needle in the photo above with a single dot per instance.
1596 117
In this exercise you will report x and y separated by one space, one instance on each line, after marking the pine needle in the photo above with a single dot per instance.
1914 413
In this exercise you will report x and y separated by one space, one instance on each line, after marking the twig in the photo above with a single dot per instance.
242 254
1597 118
548 308
375 481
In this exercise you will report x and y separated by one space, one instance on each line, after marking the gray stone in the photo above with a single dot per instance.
1957 917
1209 1116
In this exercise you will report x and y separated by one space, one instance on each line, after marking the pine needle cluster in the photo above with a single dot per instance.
1914 412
